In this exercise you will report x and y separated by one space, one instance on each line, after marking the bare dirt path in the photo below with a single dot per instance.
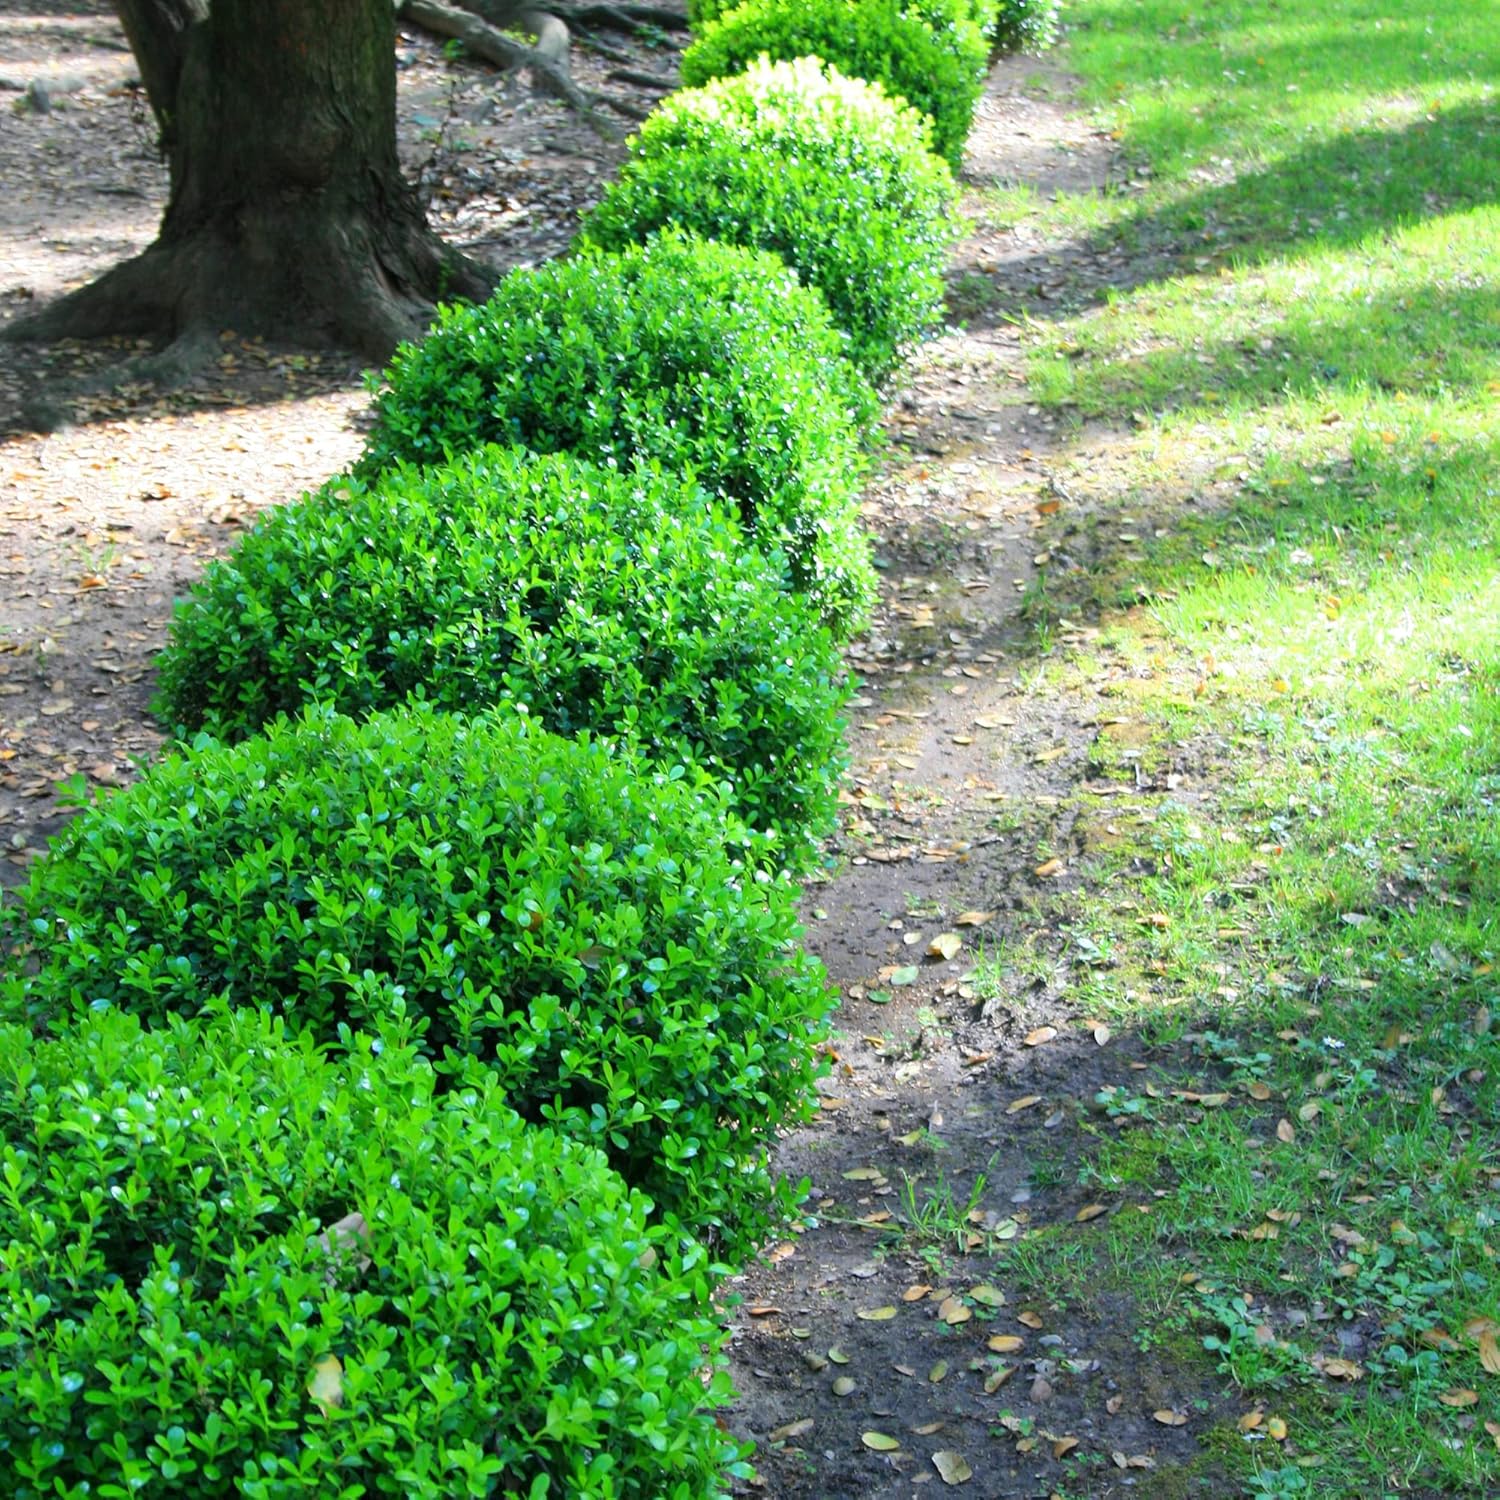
908 1323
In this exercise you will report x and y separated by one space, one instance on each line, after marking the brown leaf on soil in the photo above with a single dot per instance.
1041 1035
996 1378
973 918
1006 1343
1025 1102
1250 1421
1048 868
1276 1429
1031 1320
1286 1132
946 945
1258 1090
915 1293
987 1295
1169 1418
1063 1446
1342 1369
791 1430
1090 1211
1102 1034
1113 1405
1438 1338
1310 1111
952 1311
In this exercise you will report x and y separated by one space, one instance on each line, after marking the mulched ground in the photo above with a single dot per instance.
862 1329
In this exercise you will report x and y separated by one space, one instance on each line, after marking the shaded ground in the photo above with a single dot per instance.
950 1129
104 523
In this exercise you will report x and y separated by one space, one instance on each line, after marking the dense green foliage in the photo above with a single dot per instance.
565 916
704 359
604 601
934 59
1022 25
234 1268
822 169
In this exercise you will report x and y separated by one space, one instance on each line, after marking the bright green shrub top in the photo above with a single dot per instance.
565 915
700 358
614 602
183 1318
824 170
934 59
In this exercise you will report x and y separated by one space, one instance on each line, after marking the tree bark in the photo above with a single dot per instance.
288 216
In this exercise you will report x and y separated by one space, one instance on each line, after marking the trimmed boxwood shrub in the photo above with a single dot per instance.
234 1268
824 170
622 603
705 359
1023 25
563 915
933 57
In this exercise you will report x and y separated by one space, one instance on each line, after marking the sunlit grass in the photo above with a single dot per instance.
1295 544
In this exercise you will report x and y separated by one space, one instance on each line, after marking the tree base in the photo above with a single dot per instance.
362 286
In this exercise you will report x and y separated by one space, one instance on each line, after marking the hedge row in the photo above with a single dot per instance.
376 1070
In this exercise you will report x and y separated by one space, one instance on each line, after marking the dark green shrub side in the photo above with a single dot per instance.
1023 25
824 170
934 59
619 603
566 916
192 1309
704 359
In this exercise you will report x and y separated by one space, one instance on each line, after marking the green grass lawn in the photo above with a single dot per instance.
1297 552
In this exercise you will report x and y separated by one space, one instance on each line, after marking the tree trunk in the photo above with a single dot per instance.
288 216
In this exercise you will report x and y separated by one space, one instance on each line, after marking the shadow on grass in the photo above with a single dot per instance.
1429 339
1336 193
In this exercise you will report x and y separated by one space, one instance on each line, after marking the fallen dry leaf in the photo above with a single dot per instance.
1006 1343
1031 1320
1276 1429
876 1314
1090 1211
879 1442
1025 1102
1250 1421
973 918
952 1311
1048 868
1286 1132
1169 1418
792 1430
946 945
1064 1445
1458 1397
1040 1035
326 1386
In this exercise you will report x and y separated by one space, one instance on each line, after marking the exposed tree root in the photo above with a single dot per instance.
644 80
547 61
